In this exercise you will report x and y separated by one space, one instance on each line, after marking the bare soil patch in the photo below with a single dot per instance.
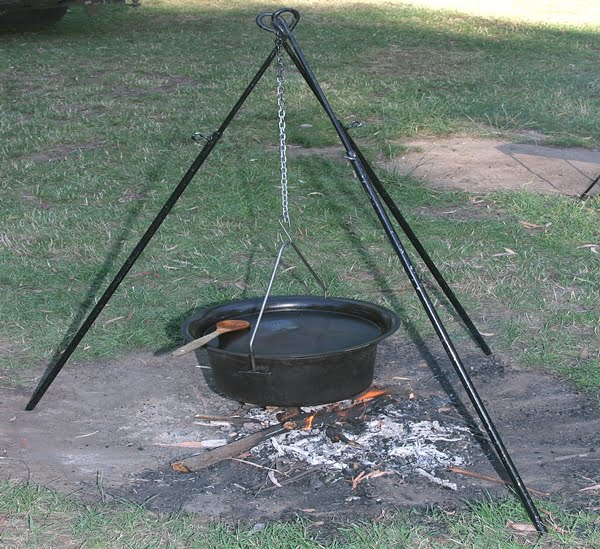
485 165
418 63
62 152
99 428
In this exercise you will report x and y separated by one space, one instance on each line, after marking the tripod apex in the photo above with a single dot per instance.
273 21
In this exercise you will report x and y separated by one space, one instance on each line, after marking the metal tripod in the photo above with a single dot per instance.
282 23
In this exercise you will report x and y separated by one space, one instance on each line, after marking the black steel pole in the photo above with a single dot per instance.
55 368
585 194
389 201
281 26
404 225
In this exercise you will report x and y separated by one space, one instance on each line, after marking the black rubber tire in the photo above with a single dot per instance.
31 19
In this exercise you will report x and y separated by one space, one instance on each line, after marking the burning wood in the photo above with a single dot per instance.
301 421
233 449
287 414
373 430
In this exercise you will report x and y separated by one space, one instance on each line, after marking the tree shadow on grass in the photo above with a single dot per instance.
97 283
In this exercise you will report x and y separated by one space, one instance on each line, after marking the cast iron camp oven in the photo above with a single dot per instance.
307 350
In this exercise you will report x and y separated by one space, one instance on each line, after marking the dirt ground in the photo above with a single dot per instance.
484 165
98 432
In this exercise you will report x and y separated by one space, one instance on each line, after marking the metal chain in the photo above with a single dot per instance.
285 216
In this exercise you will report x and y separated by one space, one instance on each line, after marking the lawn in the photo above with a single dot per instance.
36 517
97 115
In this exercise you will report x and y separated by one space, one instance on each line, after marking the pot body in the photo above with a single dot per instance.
314 350
294 381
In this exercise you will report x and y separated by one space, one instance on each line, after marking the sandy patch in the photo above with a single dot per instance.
485 165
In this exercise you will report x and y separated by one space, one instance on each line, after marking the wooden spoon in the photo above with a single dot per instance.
222 328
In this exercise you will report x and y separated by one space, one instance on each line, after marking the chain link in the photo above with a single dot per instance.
285 215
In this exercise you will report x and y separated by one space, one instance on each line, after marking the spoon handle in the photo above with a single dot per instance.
188 348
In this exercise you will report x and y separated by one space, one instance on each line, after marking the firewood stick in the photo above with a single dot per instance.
495 480
233 449
228 419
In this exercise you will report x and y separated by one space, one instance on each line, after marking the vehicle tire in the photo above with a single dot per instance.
31 19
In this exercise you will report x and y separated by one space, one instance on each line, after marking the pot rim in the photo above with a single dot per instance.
390 319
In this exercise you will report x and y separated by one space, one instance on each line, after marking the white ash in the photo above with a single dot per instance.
387 439
436 480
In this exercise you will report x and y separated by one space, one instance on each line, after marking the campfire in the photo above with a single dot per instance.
384 431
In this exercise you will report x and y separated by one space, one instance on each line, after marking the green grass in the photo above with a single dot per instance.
96 115
32 516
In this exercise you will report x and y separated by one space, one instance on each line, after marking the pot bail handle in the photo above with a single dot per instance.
285 243
264 303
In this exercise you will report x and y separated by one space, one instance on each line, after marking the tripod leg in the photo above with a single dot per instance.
282 27
389 201
55 368
443 336
584 194
403 223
